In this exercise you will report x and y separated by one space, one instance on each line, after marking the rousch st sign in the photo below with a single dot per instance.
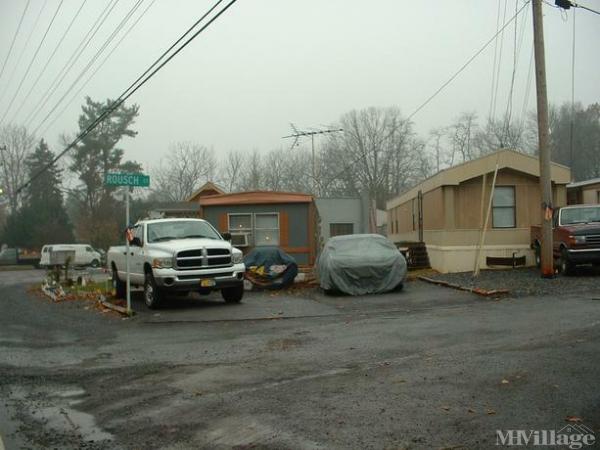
127 179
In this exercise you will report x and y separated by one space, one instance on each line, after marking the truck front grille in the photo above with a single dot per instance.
203 258
593 239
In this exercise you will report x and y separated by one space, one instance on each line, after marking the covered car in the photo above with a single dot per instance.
360 264
270 268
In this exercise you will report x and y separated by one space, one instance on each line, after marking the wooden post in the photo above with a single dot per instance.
485 224
544 148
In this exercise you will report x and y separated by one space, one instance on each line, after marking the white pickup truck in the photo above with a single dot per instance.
178 255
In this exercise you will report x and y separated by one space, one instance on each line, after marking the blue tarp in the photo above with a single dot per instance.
270 267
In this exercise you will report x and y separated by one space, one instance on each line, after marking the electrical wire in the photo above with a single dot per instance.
577 5
465 65
12 75
71 62
493 115
508 113
157 65
90 63
443 86
527 89
37 50
495 60
50 58
572 121
62 111
12 43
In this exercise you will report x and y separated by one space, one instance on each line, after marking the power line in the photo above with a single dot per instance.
443 86
131 90
12 75
493 114
508 113
572 122
71 61
90 62
12 44
37 50
495 60
61 112
50 58
577 5
465 65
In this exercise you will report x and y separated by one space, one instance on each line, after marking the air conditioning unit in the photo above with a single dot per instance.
239 239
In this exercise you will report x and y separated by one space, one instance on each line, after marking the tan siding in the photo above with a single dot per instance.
433 210
590 194
404 214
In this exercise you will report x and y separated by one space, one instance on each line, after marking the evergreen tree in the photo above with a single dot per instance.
96 155
42 219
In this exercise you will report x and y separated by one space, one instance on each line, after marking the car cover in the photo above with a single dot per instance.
270 268
360 264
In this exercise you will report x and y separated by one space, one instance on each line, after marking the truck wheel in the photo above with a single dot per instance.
118 286
95 263
233 294
153 296
538 256
566 266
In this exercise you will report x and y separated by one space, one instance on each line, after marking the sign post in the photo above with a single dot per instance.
129 181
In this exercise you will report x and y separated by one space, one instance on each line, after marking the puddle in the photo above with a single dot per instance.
69 420
53 410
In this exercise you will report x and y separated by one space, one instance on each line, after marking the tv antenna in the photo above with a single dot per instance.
299 134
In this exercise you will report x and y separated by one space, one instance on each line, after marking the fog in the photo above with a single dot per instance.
266 63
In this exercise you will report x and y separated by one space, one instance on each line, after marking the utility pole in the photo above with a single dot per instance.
544 148
297 134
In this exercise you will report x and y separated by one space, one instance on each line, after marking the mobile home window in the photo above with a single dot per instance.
266 228
503 207
240 224
340 229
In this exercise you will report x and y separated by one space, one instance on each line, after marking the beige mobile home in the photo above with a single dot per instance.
447 210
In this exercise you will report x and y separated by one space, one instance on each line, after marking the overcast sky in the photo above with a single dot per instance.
266 63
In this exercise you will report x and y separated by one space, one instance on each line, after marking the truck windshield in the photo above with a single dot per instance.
180 229
587 214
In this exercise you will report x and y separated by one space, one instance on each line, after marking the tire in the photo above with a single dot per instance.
233 294
153 295
566 266
118 285
538 256
95 263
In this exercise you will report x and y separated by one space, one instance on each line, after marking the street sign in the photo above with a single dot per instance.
131 180
127 179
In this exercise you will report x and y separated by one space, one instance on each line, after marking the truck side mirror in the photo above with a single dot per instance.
136 241
226 236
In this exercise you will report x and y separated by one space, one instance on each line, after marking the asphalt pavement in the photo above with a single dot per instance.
425 368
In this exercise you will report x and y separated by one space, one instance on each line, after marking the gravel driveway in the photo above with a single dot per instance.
526 282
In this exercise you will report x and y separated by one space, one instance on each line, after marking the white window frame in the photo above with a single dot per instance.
247 232
513 208
251 232
277 230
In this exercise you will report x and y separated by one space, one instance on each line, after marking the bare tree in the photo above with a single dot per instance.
16 144
252 176
461 134
231 171
499 134
184 170
376 153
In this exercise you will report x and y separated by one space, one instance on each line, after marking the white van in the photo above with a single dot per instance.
85 255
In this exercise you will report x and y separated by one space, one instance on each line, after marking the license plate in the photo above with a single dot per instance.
208 282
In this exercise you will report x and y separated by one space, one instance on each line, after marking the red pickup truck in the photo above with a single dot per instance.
576 236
